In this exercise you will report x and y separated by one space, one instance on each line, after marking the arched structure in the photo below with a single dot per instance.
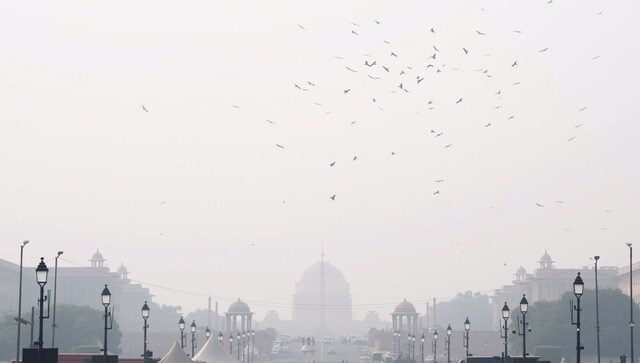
238 317
405 312
97 260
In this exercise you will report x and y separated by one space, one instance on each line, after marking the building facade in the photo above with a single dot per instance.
548 283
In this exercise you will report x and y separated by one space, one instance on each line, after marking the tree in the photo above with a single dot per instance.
201 317
165 317
474 305
550 323
77 325
8 334
81 325
264 339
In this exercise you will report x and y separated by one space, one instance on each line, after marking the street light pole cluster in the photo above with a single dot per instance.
506 312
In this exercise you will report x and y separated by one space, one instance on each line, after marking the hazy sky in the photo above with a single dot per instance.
195 195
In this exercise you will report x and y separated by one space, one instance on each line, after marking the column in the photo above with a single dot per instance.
235 320
400 317
243 323
394 318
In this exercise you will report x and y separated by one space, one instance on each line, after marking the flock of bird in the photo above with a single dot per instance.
409 75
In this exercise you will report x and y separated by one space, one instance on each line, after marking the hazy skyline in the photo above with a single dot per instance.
195 195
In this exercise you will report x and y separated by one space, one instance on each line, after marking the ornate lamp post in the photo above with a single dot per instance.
505 315
244 345
409 346
597 310
435 346
193 338
253 343
230 344
220 338
578 290
465 342
207 333
631 323
24 243
413 346
422 348
108 317
524 307
145 316
183 341
42 272
55 290
449 332
238 337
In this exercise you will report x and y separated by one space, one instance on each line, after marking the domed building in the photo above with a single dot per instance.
322 300
405 317
239 317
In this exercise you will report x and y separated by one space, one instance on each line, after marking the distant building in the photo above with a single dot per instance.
548 283
79 286
623 280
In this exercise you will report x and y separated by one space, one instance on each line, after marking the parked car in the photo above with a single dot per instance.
331 351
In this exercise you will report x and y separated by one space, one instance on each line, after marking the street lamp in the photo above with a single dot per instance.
435 346
505 315
631 323
252 358
220 338
207 333
108 317
193 338
465 342
42 273
524 307
145 316
597 310
181 324
449 332
55 290
413 347
238 343
578 290
24 243
409 347
422 348
230 343
243 344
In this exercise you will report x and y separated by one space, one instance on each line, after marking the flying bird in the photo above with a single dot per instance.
385 68
518 31
355 158
436 49
487 125
352 70
448 146
311 84
514 64
353 32
269 121
539 205
582 109
377 21
366 63
465 50
235 106
144 108
436 192
355 24
432 30
280 146
301 27
543 50
458 101
393 153
480 33
571 139
332 164
333 197
394 55
347 90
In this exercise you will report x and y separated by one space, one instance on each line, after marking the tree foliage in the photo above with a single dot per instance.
550 323
476 306
81 325
76 325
